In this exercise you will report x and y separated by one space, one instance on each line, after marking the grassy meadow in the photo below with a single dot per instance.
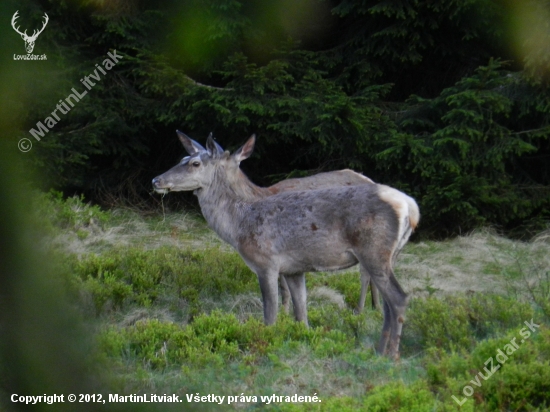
174 310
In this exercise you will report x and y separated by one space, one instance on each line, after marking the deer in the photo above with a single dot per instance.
29 40
344 177
294 232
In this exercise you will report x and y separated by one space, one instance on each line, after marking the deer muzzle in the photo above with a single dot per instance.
160 185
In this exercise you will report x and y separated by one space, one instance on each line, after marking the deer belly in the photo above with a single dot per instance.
293 262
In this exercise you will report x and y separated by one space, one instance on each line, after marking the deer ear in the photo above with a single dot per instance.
246 150
214 149
189 144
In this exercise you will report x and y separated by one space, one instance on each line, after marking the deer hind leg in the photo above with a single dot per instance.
395 302
386 330
285 294
365 283
297 285
400 304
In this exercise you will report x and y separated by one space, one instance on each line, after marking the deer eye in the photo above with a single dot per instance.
196 164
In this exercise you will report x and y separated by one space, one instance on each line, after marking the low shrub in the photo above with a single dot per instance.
218 337
56 213
507 373
458 321
137 276
107 288
394 396
443 324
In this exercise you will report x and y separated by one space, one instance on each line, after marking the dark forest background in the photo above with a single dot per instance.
448 101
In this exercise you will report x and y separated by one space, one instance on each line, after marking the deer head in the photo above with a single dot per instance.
29 40
197 170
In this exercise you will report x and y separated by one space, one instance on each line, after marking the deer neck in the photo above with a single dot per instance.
225 202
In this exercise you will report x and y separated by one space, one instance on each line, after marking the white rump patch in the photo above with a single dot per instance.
407 214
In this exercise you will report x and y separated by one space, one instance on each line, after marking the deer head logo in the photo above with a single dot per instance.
29 40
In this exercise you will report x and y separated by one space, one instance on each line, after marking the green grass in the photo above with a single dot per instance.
176 311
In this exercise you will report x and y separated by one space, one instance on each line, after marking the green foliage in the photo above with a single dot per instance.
54 213
440 324
136 276
409 42
333 404
467 138
106 287
458 322
522 383
464 151
288 102
519 379
165 318
217 337
394 396
540 292
398 397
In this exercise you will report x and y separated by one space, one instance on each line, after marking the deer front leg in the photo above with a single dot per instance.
297 285
268 287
